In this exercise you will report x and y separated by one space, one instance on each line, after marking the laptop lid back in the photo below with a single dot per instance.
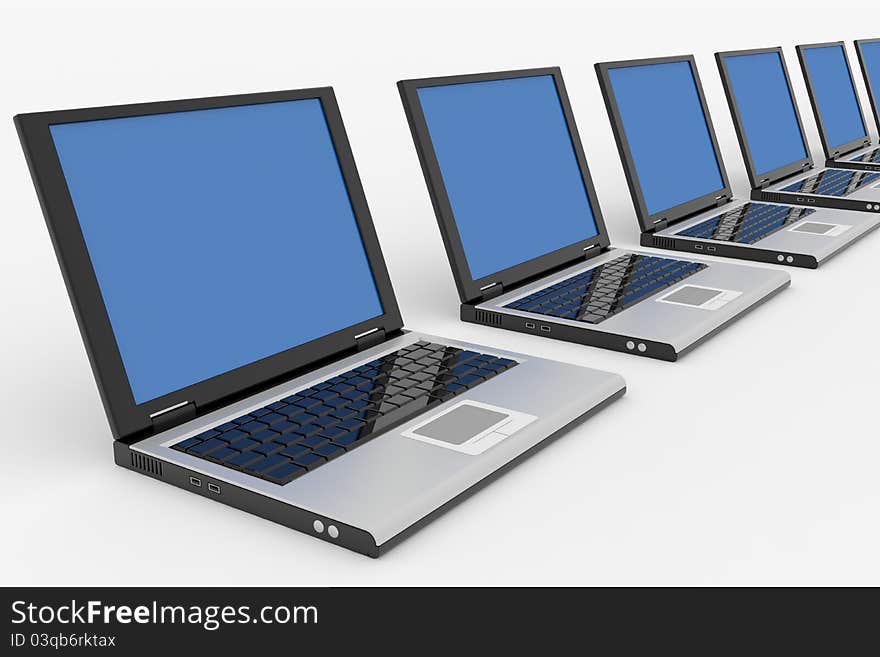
210 246
507 175
765 115
833 96
868 51
665 137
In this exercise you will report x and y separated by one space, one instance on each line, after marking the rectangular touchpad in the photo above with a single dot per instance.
692 296
460 424
469 426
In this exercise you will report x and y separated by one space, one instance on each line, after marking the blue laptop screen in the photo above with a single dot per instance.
665 127
767 112
218 237
871 59
509 169
835 95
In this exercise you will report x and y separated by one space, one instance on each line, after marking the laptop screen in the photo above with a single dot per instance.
509 169
666 130
870 51
218 237
835 95
769 120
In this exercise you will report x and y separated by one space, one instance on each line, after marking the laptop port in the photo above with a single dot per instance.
698 247
195 481
214 488
530 325
711 248
546 329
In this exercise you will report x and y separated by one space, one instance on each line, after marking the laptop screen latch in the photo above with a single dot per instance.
172 416
369 338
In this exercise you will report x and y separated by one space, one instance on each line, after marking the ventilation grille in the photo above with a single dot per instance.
490 319
664 242
773 197
146 464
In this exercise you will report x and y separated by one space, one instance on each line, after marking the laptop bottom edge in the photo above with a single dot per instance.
815 200
293 517
547 328
856 166
263 506
722 250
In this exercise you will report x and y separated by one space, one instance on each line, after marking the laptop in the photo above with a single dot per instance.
839 116
678 182
774 146
525 235
239 319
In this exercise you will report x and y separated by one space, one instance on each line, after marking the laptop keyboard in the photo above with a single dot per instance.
599 293
833 182
870 156
299 433
748 223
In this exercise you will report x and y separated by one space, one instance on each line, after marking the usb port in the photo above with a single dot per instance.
546 329
698 247
195 481
711 248
530 325
214 488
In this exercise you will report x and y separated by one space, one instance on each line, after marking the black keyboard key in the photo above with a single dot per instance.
309 461
284 473
295 451
329 451
186 444
253 427
266 463
243 459
263 436
243 444
202 449
221 454
268 448
232 436
312 441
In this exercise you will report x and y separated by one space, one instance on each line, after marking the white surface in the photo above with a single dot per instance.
751 461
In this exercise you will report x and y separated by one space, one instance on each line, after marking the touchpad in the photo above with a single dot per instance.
699 296
819 228
469 426
461 424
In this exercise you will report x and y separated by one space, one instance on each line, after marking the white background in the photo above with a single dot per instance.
754 460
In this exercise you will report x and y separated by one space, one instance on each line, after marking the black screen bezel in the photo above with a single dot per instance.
757 180
127 418
830 150
872 93
469 288
649 221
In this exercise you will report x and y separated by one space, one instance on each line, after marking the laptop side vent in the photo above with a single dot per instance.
664 242
772 197
490 319
146 464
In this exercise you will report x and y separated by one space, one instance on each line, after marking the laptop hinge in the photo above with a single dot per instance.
491 291
172 416
660 224
721 200
764 183
369 338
